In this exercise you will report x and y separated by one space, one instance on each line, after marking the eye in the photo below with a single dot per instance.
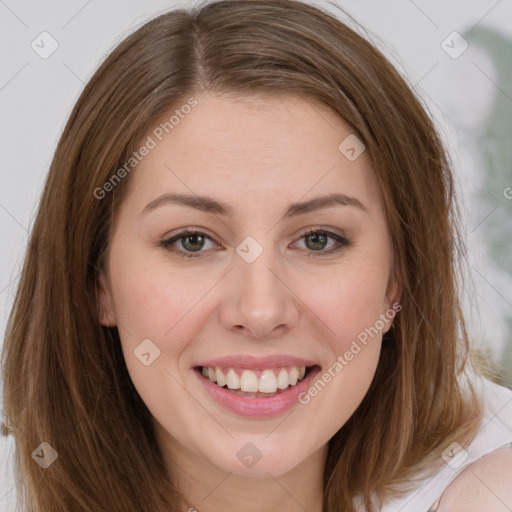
316 240
190 240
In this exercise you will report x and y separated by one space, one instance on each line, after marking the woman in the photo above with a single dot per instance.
240 292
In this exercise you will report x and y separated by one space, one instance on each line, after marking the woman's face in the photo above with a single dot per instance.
252 298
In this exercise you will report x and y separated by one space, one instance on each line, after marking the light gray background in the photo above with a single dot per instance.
36 96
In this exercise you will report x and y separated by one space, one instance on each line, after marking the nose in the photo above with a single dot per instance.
260 302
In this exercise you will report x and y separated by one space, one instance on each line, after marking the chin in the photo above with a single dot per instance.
259 456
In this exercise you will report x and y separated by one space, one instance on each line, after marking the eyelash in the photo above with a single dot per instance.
341 241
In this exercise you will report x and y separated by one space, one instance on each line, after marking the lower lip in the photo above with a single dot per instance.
258 407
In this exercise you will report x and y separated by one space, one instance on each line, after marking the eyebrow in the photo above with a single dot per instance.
209 205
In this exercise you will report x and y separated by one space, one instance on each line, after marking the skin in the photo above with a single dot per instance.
249 151
484 485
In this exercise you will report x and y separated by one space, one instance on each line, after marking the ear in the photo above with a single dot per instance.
393 294
106 313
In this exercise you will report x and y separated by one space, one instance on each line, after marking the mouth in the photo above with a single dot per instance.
256 389
255 383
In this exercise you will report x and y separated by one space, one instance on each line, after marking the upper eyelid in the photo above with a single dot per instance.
189 231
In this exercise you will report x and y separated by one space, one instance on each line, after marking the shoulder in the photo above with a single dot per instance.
483 486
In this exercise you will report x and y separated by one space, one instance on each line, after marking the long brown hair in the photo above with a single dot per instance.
65 379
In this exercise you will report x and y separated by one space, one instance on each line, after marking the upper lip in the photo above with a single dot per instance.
257 363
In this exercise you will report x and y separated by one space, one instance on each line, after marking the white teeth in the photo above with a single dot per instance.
282 379
268 382
221 378
293 376
232 380
249 382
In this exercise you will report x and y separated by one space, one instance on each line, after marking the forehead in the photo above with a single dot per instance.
281 147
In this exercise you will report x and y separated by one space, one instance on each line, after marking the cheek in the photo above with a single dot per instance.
151 302
350 306
349 302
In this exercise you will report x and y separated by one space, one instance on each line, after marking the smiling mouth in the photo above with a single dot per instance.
255 383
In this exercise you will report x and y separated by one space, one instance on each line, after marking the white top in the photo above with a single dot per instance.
495 433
